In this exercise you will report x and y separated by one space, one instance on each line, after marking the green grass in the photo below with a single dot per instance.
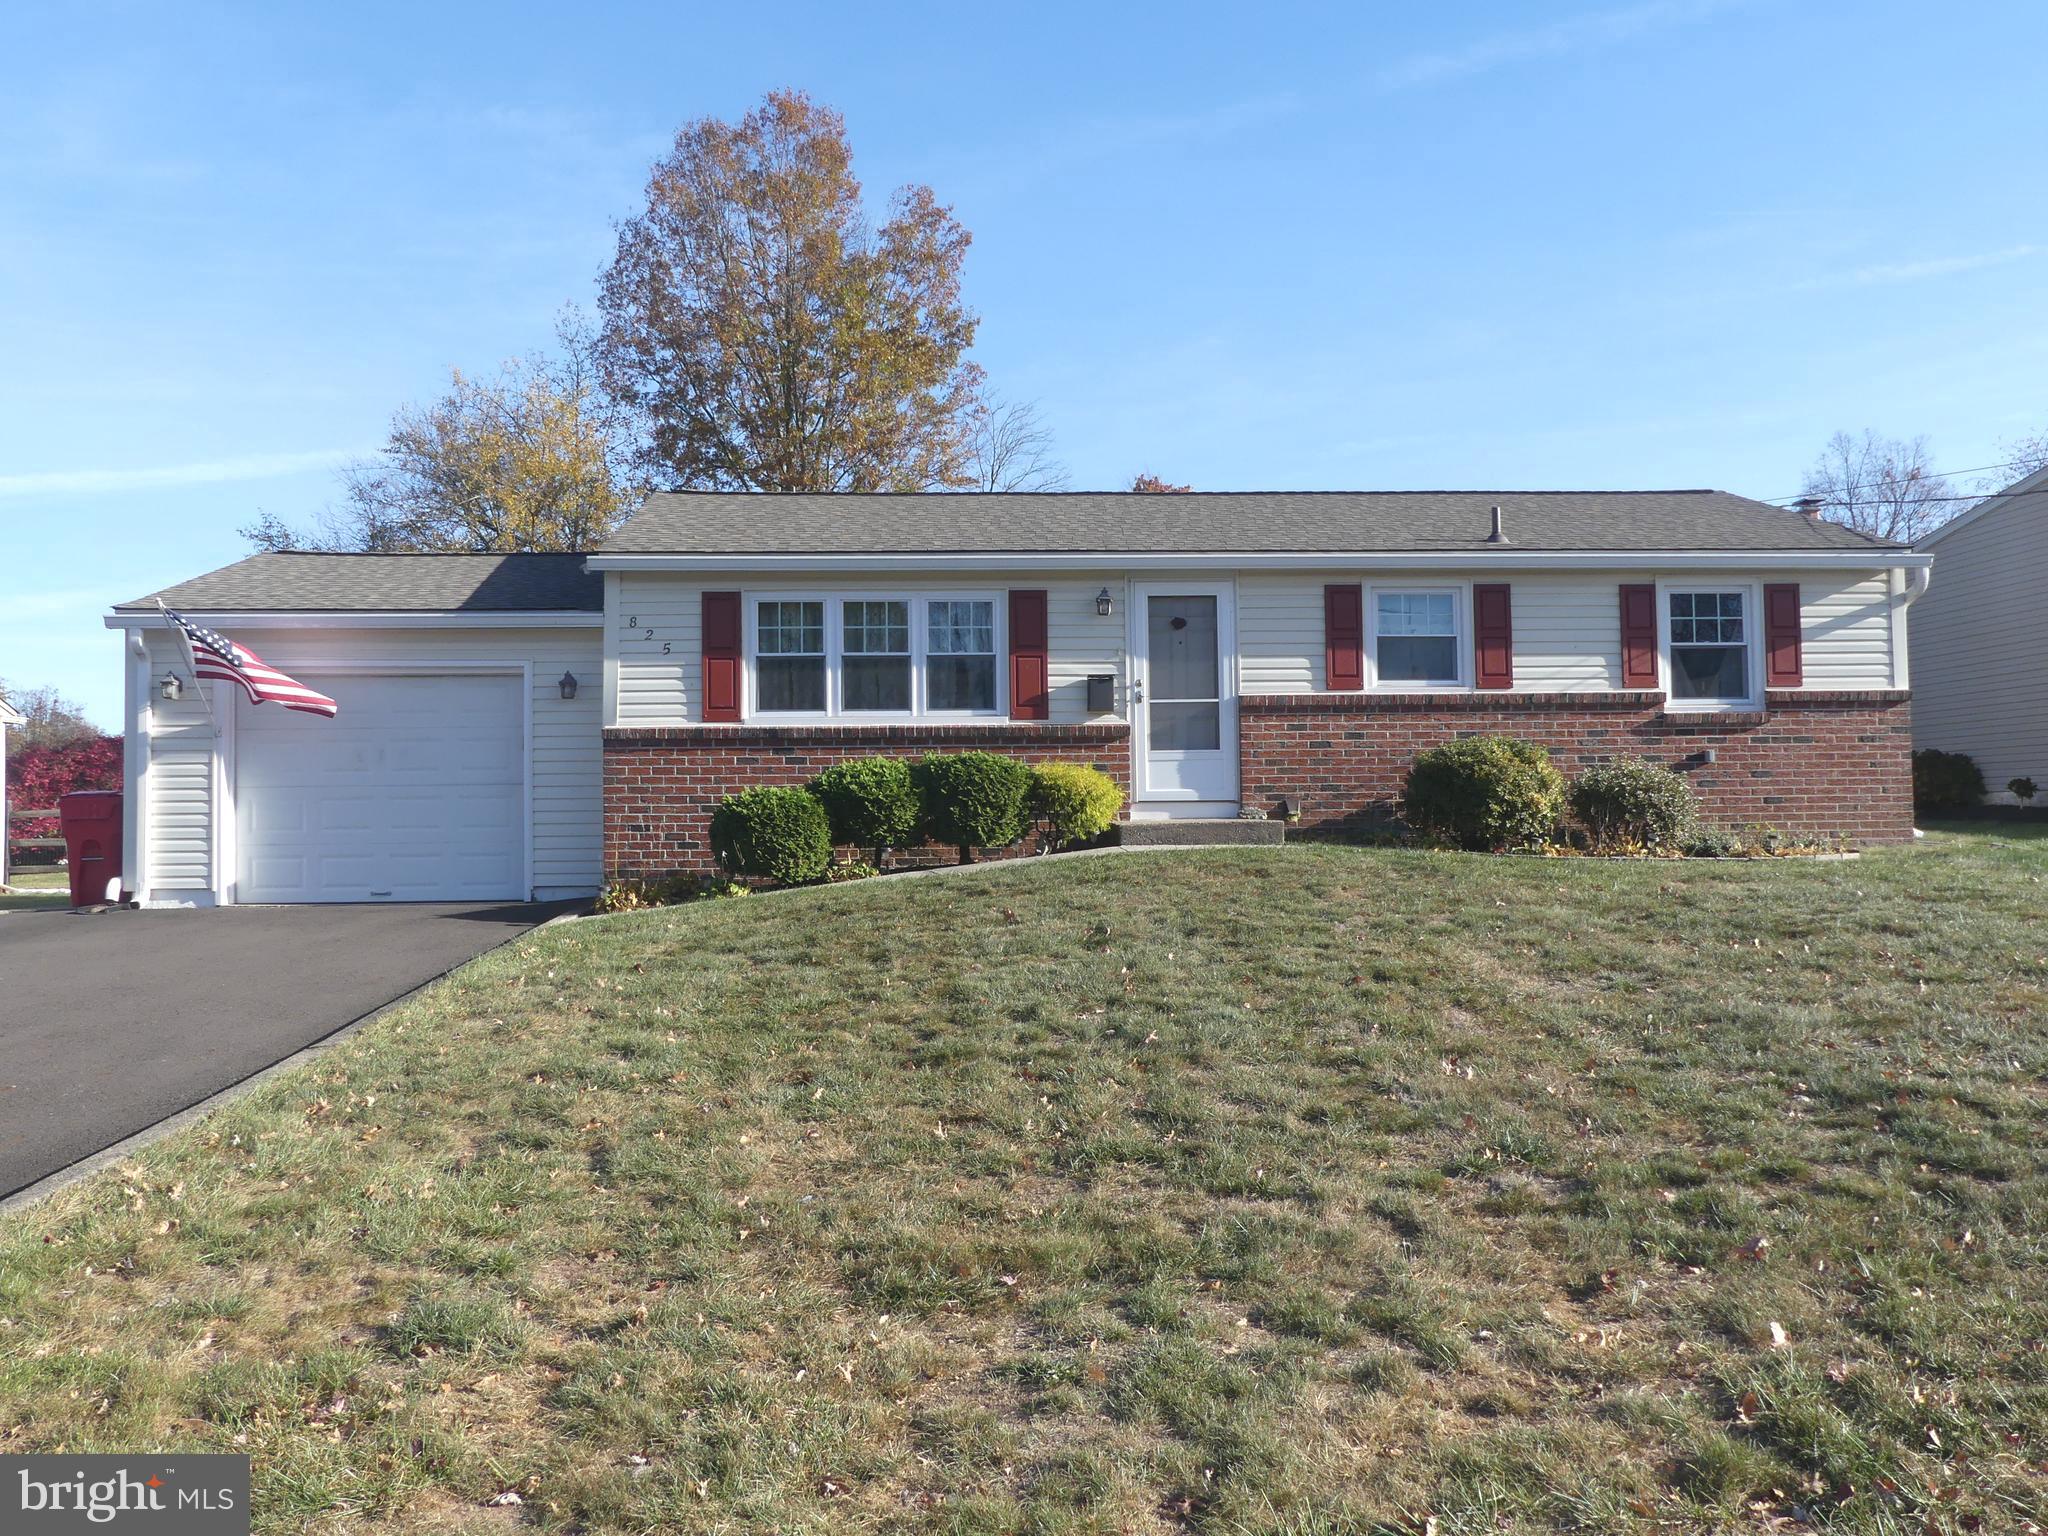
1308 1190
30 890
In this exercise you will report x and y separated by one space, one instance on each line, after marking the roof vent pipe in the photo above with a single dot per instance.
1499 534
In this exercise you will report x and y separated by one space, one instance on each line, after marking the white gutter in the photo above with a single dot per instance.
223 618
1496 559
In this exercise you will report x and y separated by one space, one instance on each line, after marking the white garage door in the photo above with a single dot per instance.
413 793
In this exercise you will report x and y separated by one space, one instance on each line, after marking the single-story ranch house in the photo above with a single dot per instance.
515 725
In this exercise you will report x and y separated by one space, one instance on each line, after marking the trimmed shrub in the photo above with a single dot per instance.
870 802
1075 803
1485 792
773 833
1946 781
2023 790
1634 803
972 799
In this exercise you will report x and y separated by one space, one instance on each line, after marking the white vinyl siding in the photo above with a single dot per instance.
665 688
1567 627
567 809
657 686
1845 631
1979 685
179 777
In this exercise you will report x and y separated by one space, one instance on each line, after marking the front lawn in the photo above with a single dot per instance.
1298 1190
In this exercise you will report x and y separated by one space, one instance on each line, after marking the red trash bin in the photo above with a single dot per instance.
91 822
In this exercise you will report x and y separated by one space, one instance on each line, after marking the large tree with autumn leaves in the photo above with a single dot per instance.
765 336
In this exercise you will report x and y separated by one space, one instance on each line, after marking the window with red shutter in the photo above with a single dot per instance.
1343 638
1030 682
722 656
1783 667
1638 635
1493 636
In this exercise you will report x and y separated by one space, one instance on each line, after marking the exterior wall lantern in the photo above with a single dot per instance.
568 685
171 687
1103 605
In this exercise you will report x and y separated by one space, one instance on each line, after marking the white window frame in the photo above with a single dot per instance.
1460 594
1752 645
835 711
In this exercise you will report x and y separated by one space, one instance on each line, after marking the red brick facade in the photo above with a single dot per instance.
661 783
1829 764
1825 764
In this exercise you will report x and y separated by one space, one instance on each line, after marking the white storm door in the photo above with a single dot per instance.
415 791
1184 697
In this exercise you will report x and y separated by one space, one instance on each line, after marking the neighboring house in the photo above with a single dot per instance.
8 717
1975 638
1282 652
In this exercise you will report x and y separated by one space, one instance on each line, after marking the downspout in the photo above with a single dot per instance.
1907 588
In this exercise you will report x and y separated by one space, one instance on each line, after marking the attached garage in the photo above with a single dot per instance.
415 791
464 762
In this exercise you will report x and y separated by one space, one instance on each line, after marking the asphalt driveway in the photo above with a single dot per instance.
110 1022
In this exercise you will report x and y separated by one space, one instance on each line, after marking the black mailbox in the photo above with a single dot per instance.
1101 693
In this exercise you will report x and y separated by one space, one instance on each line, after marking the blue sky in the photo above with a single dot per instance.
1670 243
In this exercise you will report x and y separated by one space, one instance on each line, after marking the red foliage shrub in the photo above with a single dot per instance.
36 776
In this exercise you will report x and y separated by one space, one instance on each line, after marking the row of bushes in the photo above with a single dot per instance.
967 800
1501 792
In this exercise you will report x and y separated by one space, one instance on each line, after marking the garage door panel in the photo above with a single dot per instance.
416 792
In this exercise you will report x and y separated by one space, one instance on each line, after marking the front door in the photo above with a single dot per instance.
1184 700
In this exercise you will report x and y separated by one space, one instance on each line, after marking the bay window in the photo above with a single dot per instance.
878 655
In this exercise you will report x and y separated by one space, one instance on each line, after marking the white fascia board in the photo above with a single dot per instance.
221 619
1436 560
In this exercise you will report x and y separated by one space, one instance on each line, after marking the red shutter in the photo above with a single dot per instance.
1638 636
1030 695
1343 638
1782 667
1493 636
721 656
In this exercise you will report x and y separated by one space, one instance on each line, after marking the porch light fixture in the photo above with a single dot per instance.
568 685
1103 604
172 687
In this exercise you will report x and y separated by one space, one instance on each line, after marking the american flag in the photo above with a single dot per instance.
215 655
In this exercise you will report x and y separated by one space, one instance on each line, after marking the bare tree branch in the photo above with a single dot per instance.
1881 486
1011 449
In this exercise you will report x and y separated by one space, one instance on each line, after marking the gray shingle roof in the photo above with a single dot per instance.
1233 522
295 582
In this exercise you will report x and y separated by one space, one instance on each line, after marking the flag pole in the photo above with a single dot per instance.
191 665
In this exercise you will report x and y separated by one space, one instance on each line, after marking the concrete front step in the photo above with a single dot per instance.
1199 831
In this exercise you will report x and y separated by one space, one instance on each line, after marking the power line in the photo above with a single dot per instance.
1933 474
